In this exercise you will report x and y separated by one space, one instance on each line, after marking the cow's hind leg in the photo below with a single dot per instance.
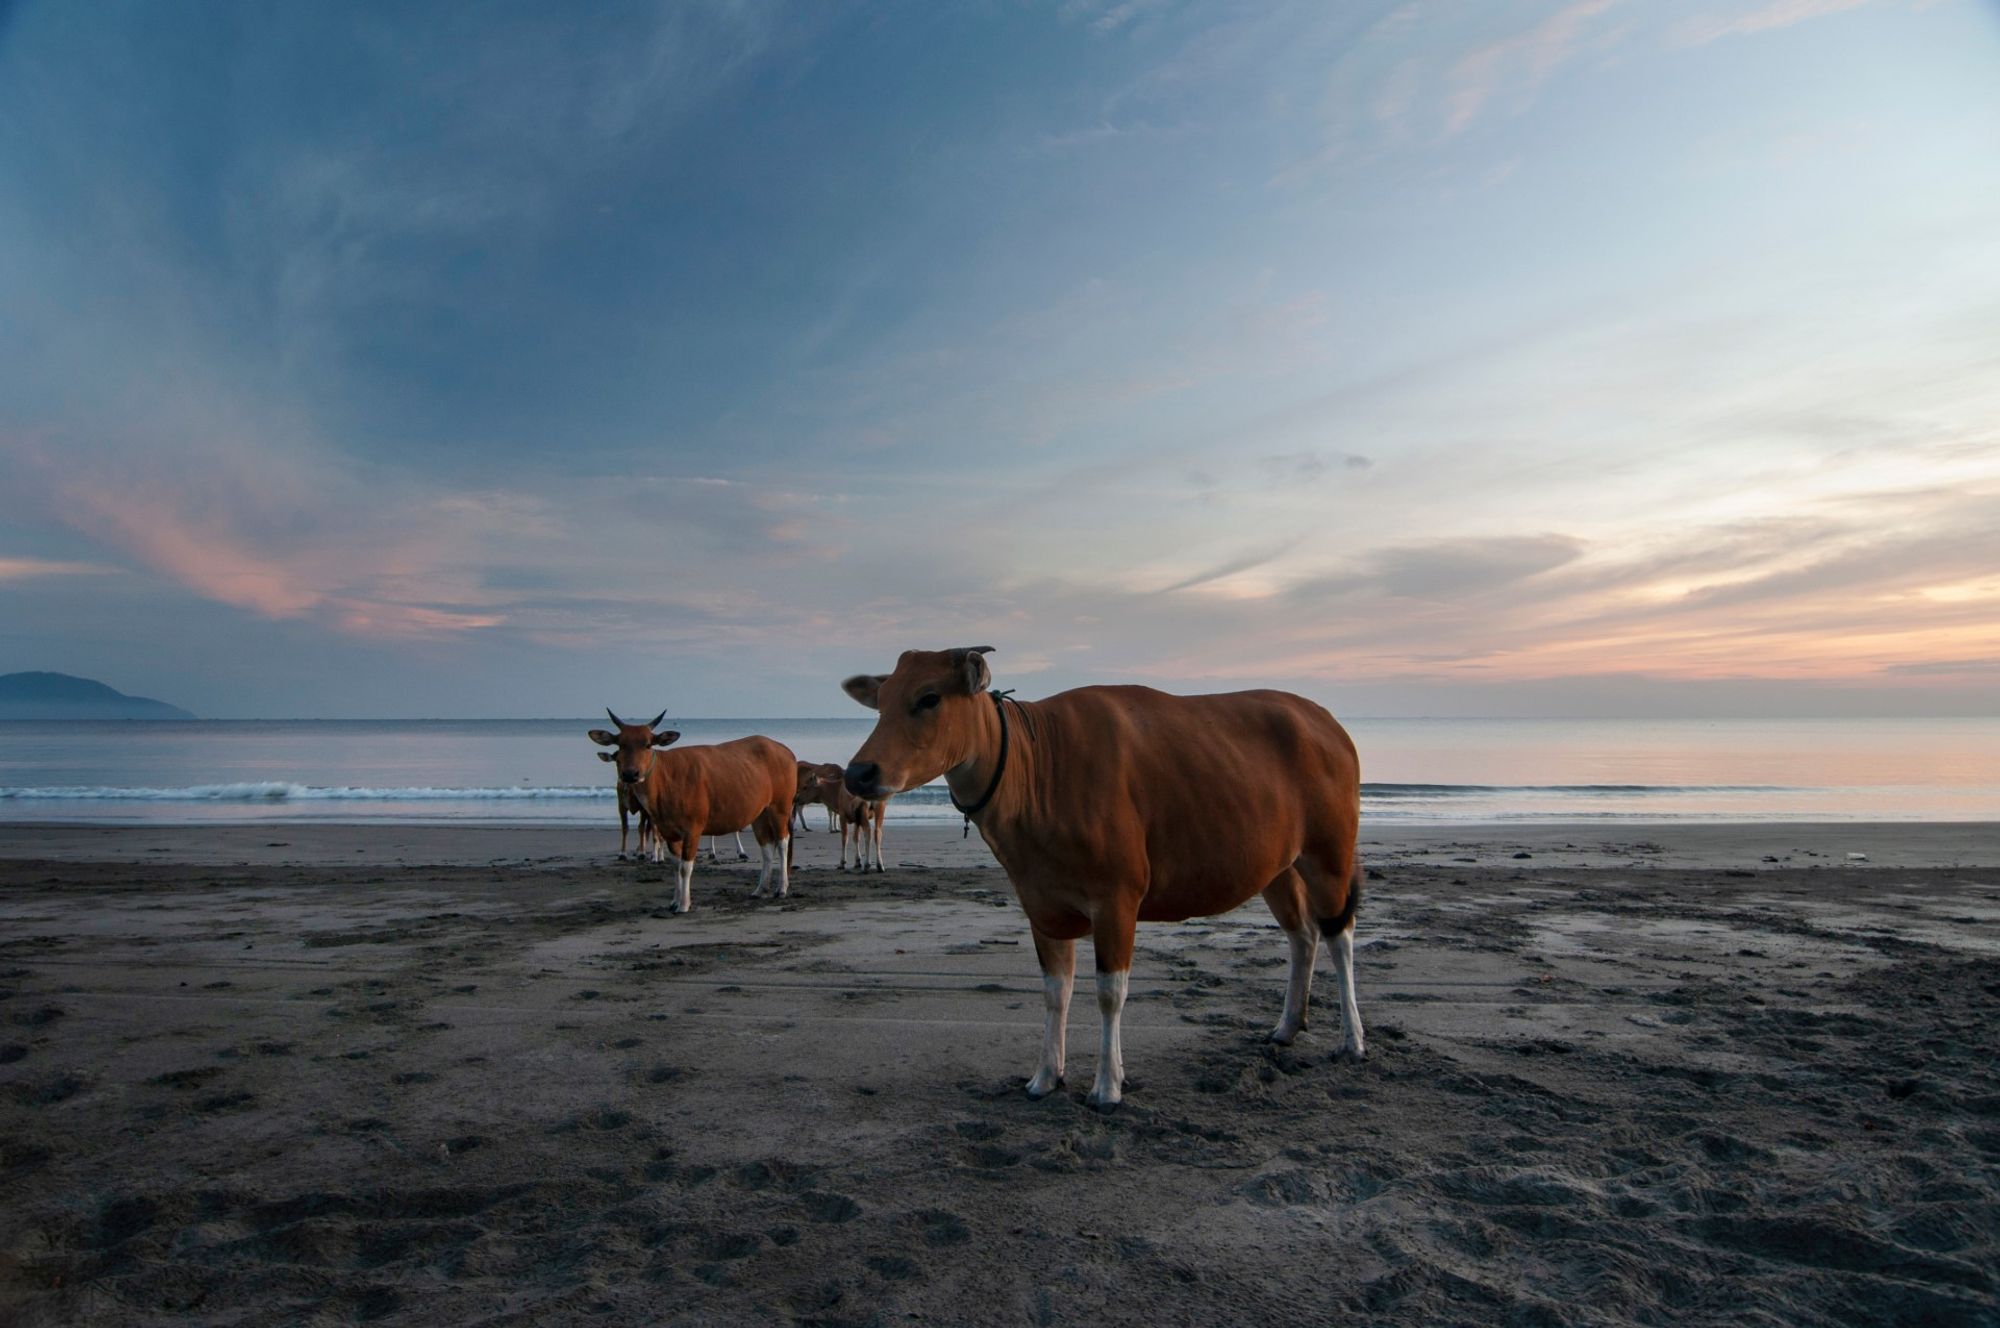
1287 897
1111 937
1058 957
1334 898
772 830
742 854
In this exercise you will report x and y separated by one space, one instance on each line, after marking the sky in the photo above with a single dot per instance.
1601 357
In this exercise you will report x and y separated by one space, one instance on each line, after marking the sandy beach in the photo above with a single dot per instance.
283 1073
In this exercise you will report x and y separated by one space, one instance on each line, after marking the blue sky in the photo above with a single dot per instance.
1602 357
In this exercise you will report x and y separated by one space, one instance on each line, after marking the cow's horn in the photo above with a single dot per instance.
614 718
655 722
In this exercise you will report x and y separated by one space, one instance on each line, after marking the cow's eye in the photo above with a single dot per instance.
928 701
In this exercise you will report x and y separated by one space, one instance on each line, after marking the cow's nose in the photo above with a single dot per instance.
864 778
629 776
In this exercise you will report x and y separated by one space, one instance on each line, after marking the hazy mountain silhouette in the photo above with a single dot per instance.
60 696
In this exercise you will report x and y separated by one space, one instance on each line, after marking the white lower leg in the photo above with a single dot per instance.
1055 1033
781 856
1109 1089
1298 988
684 892
843 848
741 856
763 869
1342 946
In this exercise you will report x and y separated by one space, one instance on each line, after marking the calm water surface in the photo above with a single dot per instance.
1414 769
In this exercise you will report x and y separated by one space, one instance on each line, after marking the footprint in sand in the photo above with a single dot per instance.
826 1206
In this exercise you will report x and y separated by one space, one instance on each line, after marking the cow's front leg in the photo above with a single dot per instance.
1058 973
742 854
684 878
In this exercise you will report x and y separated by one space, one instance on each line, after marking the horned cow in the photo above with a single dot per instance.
688 792
628 807
1109 806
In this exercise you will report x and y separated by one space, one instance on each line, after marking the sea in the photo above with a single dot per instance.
1444 771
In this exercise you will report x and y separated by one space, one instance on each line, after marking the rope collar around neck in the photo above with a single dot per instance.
999 769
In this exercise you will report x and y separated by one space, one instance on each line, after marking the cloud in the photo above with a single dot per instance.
1768 18
1517 67
1243 562
32 569
1448 569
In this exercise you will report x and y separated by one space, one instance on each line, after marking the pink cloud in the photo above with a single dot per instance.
1518 64
266 539
30 569
1782 14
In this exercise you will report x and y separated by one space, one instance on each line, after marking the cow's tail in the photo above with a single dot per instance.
1344 919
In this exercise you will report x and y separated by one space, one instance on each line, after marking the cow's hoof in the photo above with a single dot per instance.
1282 1036
1039 1088
1352 1055
1104 1105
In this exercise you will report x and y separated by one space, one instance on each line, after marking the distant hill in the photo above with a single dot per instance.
59 696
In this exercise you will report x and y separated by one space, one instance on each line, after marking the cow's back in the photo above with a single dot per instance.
729 784
1212 794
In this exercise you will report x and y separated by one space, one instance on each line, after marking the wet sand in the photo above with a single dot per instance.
328 1074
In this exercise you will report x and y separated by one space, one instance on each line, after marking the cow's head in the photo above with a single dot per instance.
929 719
632 745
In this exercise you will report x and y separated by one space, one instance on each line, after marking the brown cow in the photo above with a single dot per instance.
818 785
1110 806
864 817
628 807
692 791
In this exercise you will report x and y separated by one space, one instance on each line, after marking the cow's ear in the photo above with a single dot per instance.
666 738
971 661
607 756
604 737
866 688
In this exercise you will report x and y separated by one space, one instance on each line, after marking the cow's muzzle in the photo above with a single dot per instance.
863 779
629 776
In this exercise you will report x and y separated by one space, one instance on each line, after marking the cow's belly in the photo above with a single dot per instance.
1200 891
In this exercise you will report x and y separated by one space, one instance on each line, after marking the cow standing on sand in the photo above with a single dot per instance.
628 806
692 791
857 818
1110 806
819 785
